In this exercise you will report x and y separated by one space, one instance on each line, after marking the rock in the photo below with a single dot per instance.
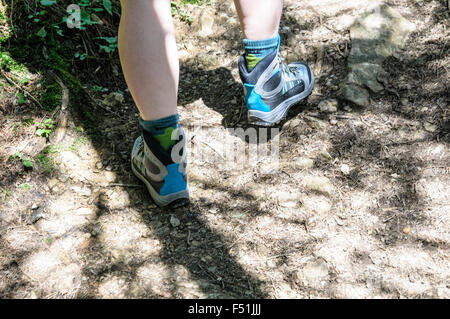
315 123
429 127
34 206
328 106
114 99
318 184
36 215
52 183
366 75
286 199
314 273
295 123
304 163
345 169
317 204
175 222
378 34
206 23
356 94
207 60
63 178
325 155
195 243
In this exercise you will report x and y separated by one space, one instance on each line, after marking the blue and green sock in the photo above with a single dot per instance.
161 129
256 50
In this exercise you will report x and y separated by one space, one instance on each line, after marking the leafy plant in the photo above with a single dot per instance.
27 163
177 10
44 129
46 158
112 44
25 186
5 195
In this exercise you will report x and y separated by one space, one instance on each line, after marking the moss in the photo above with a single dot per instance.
51 96
46 158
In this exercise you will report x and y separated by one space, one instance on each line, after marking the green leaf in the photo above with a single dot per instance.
108 6
42 33
27 163
25 186
48 3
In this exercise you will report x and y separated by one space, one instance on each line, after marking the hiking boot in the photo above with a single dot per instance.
272 87
163 172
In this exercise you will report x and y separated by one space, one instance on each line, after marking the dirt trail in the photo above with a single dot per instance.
359 207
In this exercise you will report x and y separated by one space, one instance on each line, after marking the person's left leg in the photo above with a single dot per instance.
149 58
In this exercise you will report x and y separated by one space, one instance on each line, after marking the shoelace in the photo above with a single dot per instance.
286 68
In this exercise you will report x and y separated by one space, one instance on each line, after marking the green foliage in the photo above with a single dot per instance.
26 162
77 143
50 17
51 96
5 195
111 44
177 10
45 158
25 186
27 122
44 129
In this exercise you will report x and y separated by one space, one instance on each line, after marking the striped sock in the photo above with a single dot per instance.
161 129
256 50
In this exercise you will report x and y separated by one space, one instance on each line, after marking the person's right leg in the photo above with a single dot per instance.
271 87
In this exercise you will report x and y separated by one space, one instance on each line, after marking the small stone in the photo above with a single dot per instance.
319 184
206 23
404 102
328 106
356 94
34 206
36 215
315 270
52 182
175 222
429 127
345 169
114 99
304 163
325 155
195 243
63 178
99 165
96 230
86 192
347 108
315 123
295 123
333 121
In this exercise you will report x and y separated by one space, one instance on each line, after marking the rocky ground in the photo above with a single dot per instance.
358 208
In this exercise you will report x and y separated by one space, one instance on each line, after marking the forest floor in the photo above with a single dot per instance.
359 206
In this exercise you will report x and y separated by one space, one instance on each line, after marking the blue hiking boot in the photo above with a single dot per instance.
163 172
272 87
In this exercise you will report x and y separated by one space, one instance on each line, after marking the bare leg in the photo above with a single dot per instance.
259 19
149 56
